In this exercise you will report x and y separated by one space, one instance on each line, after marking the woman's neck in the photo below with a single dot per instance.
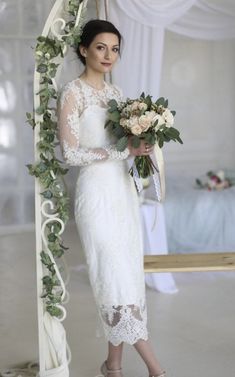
96 80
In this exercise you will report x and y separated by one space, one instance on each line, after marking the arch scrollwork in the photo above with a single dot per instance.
62 29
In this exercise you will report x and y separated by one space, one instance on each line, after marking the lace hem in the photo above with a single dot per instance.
126 323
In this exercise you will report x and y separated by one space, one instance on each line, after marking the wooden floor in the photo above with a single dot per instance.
189 262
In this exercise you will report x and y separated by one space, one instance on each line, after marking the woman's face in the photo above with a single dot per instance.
102 53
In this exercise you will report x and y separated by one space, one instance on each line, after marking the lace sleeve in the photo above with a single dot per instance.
68 111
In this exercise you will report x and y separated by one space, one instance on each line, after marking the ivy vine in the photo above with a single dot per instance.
48 169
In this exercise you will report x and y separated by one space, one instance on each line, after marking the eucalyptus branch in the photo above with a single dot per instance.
48 169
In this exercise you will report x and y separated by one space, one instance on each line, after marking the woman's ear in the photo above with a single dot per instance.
83 51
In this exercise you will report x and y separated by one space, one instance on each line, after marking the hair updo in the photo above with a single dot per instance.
91 29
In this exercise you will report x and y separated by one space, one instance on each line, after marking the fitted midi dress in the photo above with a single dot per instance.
106 210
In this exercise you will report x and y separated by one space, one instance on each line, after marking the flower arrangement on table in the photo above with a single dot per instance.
141 118
215 181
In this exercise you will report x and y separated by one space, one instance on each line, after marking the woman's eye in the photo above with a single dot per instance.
116 49
100 47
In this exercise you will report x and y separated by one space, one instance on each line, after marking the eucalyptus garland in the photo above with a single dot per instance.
48 169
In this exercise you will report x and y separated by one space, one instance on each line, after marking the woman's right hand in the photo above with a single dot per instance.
143 150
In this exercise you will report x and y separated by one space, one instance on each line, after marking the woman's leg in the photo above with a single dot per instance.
114 359
145 350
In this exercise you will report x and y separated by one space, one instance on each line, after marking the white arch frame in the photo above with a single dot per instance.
44 211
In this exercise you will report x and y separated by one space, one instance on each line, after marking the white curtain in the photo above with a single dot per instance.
143 24
184 50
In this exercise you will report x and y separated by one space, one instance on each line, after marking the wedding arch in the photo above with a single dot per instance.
62 29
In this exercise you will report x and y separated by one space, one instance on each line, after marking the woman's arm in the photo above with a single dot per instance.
68 123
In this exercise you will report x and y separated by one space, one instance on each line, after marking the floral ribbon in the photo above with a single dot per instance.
160 176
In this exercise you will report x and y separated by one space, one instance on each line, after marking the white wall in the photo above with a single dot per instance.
198 77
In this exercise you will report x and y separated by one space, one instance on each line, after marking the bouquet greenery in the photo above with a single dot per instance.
138 119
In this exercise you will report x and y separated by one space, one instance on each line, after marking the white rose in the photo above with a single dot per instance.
151 115
160 119
168 117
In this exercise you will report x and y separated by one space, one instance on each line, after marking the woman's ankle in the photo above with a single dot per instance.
112 365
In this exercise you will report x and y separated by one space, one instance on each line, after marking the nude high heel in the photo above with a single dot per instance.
105 371
163 374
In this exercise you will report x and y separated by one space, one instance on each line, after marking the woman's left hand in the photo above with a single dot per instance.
143 150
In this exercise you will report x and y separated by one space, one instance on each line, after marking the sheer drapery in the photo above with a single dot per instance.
153 13
143 24
207 19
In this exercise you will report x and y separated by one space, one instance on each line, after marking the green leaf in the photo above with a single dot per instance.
29 115
198 182
150 138
113 104
118 131
148 101
47 194
109 124
160 101
179 140
173 131
42 68
135 141
114 116
54 310
122 143
41 109
52 237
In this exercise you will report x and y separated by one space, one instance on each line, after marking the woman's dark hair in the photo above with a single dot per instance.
93 28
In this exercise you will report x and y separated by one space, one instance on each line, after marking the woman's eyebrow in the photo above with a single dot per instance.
98 43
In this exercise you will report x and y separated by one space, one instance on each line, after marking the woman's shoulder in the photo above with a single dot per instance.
72 86
71 91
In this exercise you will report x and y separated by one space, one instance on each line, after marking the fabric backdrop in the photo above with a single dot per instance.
183 50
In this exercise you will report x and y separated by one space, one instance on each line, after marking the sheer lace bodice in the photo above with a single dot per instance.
78 100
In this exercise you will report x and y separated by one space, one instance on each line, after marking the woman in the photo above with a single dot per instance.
106 204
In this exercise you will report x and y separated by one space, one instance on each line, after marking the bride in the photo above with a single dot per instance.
106 202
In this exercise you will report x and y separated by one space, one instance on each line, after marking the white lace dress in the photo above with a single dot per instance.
106 211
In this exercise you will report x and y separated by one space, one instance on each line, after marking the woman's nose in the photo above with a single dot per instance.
107 54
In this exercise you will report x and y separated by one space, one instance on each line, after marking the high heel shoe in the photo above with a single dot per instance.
163 374
105 371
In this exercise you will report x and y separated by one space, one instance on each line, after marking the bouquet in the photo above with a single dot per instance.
142 119
215 181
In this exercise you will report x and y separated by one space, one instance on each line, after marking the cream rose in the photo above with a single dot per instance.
136 130
144 122
124 122
134 106
142 106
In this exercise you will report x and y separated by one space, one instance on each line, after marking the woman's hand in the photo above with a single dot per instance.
143 150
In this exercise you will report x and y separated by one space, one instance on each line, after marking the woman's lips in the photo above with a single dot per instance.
106 64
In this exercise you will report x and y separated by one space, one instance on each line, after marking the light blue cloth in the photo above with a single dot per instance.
198 220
